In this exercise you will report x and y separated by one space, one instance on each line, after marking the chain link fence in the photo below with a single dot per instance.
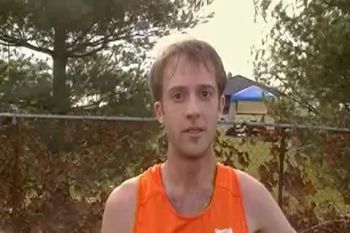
57 171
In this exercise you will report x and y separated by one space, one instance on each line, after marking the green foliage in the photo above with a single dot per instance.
110 84
98 85
66 191
24 84
71 29
307 56
92 24
310 197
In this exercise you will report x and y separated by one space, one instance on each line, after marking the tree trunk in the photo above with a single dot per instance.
60 96
60 100
60 104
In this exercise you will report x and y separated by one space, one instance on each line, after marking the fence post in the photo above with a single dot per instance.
282 154
16 175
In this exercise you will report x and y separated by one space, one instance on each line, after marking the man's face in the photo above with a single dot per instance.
189 107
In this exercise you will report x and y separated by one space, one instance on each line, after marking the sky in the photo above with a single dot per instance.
232 32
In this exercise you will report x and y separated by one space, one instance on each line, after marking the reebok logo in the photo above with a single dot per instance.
226 230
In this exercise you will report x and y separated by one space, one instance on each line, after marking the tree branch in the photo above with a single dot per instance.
88 53
38 49
85 45
301 102
121 34
102 45
112 36
95 103
81 36
325 224
342 5
15 42
88 106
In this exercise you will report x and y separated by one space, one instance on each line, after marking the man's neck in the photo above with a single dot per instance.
189 174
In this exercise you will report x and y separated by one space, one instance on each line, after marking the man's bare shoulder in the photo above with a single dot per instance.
261 209
250 185
123 195
120 207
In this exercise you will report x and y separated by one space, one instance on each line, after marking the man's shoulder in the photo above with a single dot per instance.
120 207
249 183
124 192
254 193
260 207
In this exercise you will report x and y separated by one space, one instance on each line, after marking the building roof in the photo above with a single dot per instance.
237 83
252 93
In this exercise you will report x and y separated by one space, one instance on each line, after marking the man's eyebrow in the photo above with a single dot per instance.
206 86
201 86
177 88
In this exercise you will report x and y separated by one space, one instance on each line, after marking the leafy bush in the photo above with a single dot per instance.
61 186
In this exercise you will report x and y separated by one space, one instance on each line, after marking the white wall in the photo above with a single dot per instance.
249 107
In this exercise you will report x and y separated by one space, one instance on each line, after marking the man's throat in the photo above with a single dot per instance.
191 202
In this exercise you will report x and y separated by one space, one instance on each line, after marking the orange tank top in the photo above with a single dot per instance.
224 214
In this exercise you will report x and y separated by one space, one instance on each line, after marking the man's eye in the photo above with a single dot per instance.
205 94
177 96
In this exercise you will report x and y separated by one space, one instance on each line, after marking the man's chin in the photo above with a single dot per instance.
195 154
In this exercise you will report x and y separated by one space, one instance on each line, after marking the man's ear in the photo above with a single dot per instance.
158 110
222 101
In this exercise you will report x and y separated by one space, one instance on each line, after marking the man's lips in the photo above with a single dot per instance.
194 130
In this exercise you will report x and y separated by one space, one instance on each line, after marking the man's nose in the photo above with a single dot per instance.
192 108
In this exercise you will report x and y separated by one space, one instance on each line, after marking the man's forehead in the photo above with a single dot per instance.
183 63
199 81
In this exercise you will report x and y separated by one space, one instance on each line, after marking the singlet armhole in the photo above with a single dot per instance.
137 205
240 194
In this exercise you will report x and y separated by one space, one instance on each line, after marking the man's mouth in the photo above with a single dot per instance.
194 130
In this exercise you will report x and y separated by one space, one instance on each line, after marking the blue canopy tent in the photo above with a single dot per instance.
251 93
250 102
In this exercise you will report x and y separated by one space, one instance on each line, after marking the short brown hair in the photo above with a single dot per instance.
195 50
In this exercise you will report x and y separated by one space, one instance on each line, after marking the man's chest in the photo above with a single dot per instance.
190 204
218 217
166 224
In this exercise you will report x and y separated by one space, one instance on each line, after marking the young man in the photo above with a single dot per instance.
191 192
